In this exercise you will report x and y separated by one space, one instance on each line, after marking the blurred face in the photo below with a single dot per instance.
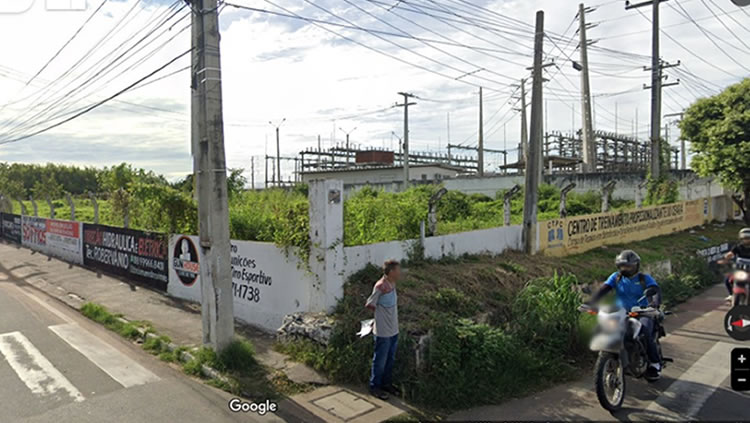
745 242
626 269
395 274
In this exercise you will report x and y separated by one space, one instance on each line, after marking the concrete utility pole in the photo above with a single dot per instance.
278 149
524 124
252 172
656 84
535 142
405 156
480 147
589 141
347 142
217 310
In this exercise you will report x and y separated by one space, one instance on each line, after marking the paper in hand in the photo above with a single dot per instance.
366 327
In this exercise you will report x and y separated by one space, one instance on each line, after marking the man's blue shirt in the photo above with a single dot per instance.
629 290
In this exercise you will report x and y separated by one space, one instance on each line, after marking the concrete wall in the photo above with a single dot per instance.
267 283
486 241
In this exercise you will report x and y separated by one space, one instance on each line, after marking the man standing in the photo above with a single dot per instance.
383 301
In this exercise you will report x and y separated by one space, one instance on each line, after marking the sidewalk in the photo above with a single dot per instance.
181 321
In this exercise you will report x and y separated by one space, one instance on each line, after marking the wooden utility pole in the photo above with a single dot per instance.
217 310
480 151
405 156
535 142
589 141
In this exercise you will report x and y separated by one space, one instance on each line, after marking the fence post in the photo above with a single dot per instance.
23 207
92 197
72 206
564 199
639 194
5 204
326 243
606 192
432 213
33 205
421 232
51 208
506 203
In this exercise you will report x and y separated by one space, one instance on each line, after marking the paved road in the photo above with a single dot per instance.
695 387
57 366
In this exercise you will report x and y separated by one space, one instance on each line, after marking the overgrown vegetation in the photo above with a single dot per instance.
500 327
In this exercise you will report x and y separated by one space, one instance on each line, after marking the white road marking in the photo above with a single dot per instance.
685 397
116 364
39 375
46 306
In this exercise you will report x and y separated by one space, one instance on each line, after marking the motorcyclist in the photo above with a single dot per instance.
741 250
629 285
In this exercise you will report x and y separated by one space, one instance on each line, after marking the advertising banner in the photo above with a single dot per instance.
137 255
715 253
576 234
267 284
64 240
34 233
12 227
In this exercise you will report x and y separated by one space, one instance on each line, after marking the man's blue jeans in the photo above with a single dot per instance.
650 330
382 361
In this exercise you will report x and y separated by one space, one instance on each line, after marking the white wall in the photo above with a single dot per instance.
381 175
486 241
267 285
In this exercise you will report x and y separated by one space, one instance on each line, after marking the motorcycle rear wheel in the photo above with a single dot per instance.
609 381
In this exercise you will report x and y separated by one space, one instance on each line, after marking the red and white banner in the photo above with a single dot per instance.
64 240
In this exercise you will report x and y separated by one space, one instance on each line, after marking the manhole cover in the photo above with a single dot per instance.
345 405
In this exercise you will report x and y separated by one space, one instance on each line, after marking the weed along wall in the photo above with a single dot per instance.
572 235
266 282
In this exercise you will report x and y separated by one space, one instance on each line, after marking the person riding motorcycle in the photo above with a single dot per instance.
629 285
741 250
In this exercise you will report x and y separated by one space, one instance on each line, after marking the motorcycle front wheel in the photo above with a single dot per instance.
609 381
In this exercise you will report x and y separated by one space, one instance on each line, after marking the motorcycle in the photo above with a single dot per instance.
622 348
740 279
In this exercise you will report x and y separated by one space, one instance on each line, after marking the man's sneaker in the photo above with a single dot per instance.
393 390
653 373
379 394
729 298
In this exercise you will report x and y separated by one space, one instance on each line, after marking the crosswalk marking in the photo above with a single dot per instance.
39 375
117 365
685 397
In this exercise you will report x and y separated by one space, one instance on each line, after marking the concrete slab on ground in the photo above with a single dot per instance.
341 405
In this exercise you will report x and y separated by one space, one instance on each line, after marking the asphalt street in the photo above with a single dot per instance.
57 366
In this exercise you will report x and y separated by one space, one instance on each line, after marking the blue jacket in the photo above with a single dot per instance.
629 290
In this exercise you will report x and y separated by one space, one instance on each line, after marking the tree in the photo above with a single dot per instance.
718 129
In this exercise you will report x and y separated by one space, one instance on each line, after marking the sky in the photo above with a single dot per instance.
338 69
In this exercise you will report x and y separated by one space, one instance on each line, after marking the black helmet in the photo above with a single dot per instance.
628 258
745 233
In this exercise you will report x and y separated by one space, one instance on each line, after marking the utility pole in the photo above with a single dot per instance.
589 143
656 84
347 143
532 173
480 150
252 172
405 157
217 310
524 124
278 149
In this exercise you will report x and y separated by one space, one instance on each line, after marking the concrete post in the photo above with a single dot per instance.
23 207
606 192
432 213
92 197
51 208
564 198
422 235
34 206
506 203
327 242
71 205
639 194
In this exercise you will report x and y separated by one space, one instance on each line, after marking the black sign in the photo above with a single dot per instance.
138 255
11 227
185 261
